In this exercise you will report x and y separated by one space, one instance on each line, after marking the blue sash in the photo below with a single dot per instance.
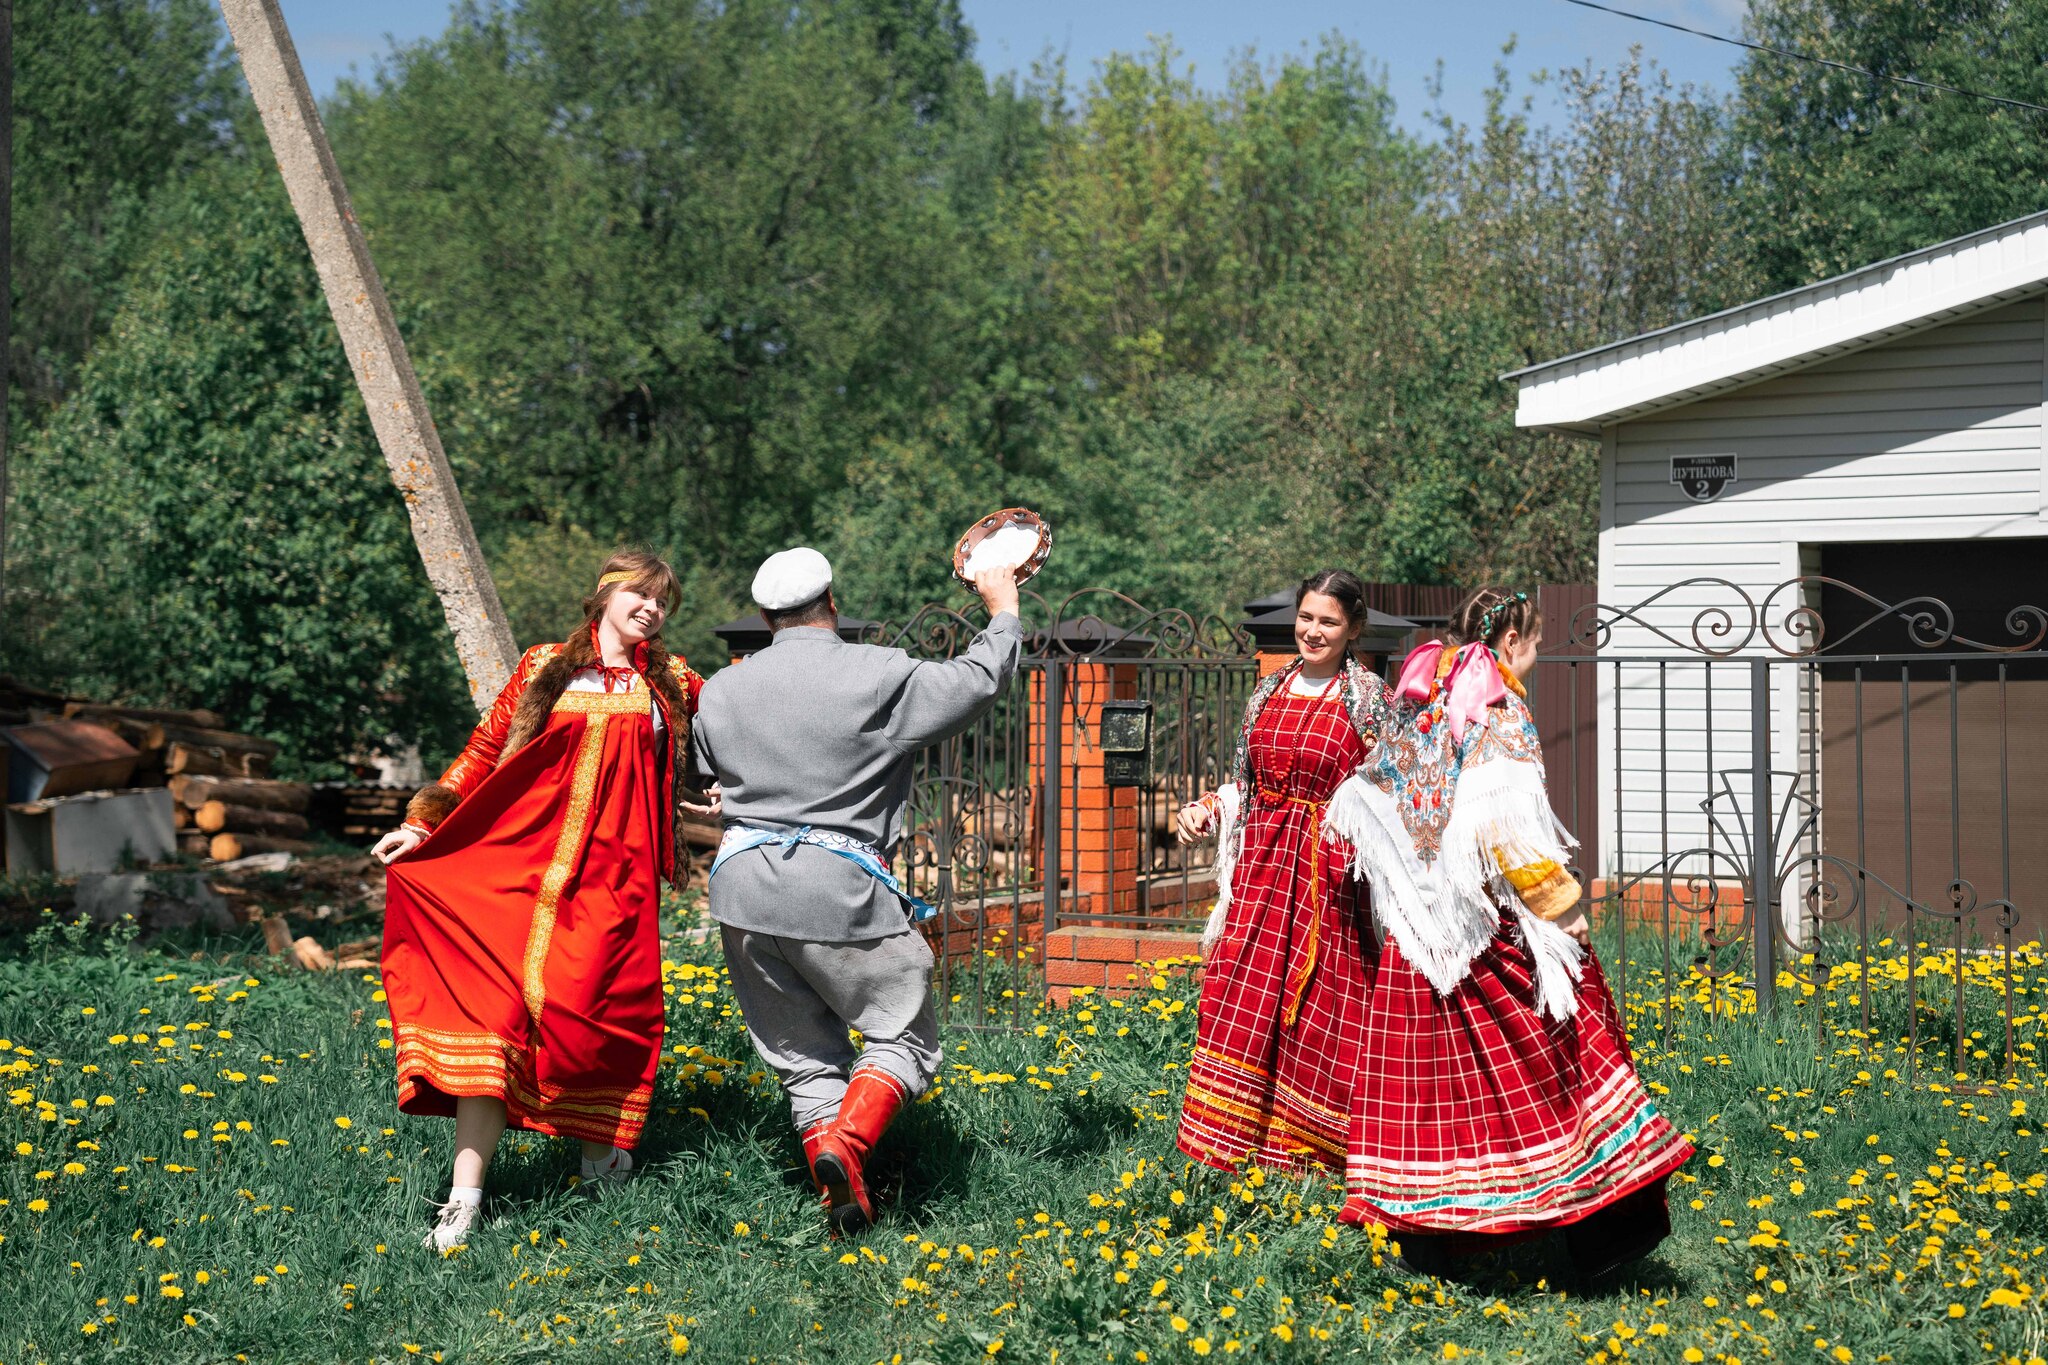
740 838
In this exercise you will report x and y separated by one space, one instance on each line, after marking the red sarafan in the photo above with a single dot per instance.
1282 1015
522 958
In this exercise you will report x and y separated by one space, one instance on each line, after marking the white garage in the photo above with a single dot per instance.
1857 467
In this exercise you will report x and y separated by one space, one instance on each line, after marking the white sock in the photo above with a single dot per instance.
472 1195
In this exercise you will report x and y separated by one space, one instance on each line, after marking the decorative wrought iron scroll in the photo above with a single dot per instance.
1721 630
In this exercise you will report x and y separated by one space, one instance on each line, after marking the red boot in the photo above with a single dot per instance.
840 1164
813 1137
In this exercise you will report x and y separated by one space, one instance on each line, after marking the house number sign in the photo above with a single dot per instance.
1702 477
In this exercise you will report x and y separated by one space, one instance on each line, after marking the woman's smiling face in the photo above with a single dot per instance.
633 616
1322 630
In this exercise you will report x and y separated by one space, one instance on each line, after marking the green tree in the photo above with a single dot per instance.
1841 170
113 100
207 520
1543 240
679 267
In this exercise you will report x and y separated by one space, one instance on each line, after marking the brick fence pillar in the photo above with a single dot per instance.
1098 823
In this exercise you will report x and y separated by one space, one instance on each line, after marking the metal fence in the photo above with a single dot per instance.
1797 789
996 808
1813 787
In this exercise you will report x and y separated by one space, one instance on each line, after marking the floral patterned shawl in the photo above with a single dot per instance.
1440 811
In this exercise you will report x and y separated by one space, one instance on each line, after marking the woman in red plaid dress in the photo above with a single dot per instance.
1282 1013
1496 1098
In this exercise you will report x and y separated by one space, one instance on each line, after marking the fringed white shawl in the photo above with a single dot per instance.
1425 818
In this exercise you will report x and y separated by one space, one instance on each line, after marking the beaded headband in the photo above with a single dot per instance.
1492 613
618 576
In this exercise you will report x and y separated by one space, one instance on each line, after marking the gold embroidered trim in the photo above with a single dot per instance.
582 789
633 703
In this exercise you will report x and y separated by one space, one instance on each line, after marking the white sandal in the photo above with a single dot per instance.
612 1169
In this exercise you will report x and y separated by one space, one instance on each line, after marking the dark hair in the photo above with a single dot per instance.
819 611
1340 584
1489 613
651 577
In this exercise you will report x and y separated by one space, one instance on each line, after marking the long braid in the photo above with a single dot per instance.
1489 613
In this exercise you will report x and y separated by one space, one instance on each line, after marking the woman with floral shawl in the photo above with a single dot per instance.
1282 1014
1496 1097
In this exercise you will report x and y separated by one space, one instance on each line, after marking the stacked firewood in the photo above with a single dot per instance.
180 743
358 812
225 818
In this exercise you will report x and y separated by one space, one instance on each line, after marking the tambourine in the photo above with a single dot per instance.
1013 536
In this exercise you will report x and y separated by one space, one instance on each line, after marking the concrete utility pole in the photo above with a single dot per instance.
376 352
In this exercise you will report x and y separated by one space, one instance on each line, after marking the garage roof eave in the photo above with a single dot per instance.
1579 393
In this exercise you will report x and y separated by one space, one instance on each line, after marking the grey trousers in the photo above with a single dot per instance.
801 996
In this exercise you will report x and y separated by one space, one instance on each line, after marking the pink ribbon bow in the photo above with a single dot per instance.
1472 685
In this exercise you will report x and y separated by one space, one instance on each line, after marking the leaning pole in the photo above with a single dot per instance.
376 352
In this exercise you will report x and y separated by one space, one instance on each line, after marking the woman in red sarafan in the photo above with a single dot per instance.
522 961
1497 1098
1286 954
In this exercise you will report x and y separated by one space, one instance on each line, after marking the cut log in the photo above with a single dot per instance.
180 818
105 715
277 936
194 844
227 847
311 955
201 760
255 793
145 735
215 816
202 737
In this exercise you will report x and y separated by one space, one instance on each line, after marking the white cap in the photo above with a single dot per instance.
791 578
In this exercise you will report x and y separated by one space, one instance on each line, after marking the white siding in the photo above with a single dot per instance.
1934 436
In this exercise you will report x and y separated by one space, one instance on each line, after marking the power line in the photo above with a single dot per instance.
1805 57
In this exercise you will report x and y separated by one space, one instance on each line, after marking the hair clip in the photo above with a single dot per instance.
1487 617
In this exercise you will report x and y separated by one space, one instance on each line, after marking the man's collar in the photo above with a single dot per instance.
803 633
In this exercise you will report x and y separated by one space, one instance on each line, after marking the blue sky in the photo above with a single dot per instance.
1407 38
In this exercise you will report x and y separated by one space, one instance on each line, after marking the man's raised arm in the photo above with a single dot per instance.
940 698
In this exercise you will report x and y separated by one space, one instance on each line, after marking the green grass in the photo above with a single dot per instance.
1040 1150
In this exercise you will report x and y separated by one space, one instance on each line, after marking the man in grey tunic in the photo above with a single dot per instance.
810 743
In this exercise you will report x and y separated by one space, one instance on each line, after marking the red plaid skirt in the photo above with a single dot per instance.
1282 1014
1478 1115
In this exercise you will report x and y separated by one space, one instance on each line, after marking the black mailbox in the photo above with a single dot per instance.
1126 736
